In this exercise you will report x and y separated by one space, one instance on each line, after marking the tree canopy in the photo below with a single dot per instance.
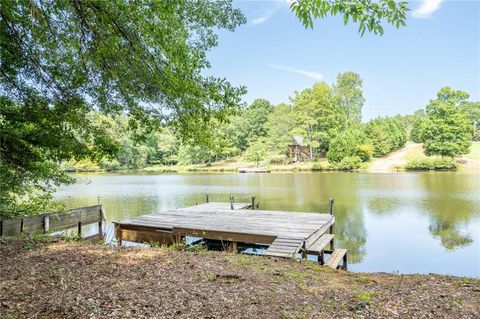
61 60
369 14
144 57
447 130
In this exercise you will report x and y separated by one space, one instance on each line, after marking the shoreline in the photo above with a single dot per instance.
275 169
77 279
393 162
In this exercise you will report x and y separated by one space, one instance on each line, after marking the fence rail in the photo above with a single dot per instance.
77 217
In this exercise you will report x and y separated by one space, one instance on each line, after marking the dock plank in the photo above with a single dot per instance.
336 258
320 244
278 247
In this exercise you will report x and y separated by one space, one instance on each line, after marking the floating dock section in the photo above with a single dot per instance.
239 225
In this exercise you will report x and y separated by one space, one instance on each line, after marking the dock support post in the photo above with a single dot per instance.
321 257
118 234
231 202
304 250
79 229
253 202
332 228
208 198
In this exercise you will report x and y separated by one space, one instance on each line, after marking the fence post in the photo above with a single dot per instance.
231 202
208 198
253 202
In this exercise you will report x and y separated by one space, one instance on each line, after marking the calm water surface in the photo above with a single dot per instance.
406 222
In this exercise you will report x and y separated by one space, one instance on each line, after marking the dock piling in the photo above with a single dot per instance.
208 198
332 229
231 201
79 227
253 202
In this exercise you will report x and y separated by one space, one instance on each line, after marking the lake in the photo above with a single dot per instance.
390 222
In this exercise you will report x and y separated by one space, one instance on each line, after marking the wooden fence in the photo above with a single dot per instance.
52 222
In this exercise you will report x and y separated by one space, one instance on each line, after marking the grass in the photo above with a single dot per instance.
474 152
364 296
415 152
433 163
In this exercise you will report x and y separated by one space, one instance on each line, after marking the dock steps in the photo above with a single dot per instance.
284 247
319 245
336 258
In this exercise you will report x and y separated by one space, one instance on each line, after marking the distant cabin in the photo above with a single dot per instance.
297 152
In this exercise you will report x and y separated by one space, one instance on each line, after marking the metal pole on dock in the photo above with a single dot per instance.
253 202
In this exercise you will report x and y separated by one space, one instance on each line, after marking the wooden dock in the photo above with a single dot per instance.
285 234
253 170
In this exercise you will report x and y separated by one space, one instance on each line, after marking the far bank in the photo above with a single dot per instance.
409 158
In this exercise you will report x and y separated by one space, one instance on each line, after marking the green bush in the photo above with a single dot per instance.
350 162
322 166
345 144
110 165
431 164
364 151
347 163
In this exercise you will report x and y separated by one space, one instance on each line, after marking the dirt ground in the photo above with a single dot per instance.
396 158
78 280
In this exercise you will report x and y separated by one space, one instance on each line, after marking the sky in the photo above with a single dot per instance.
273 55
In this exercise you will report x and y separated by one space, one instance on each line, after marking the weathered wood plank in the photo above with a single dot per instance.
55 222
320 244
148 236
85 215
319 232
33 224
278 254
278 247
11 227
336 258
223 235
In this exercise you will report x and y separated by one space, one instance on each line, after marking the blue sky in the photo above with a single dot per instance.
273 55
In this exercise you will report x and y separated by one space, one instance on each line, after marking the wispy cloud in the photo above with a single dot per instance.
311 74
261 19
426 8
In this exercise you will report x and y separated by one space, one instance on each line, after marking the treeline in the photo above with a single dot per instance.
328 117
